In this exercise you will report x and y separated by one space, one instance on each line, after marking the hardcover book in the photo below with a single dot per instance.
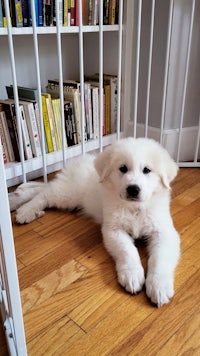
9 109
32 127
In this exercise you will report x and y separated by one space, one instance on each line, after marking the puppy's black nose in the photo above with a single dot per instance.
133 191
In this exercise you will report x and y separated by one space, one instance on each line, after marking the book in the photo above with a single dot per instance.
7 136
72 13
70 127
112 79
112 8
25 135
40 13
46 123
60 12
9 109
25 14
107 109
95 12
105 12
58 121
1 14
32 127
3 141
24 93
65 12
95 110
16 13
110 99
52 124
71 93
47 12
88 110
57 117
30 13
28 94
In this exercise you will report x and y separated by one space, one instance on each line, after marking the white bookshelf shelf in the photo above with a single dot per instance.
53 30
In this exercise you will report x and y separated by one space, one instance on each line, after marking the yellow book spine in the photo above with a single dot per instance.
107 109
47 125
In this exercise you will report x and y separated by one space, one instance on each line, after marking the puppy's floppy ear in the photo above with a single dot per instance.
169 170
102 163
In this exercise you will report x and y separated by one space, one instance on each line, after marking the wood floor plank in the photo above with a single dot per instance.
184 218
52 342
50 285
150 337
186 340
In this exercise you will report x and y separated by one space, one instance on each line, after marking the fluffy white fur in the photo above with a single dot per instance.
127 190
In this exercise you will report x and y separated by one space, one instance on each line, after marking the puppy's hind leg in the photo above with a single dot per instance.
53 195
23 194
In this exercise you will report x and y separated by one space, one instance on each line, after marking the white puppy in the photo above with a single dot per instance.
127 190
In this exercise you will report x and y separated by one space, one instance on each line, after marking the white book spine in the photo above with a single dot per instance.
95 111
32 128
25 135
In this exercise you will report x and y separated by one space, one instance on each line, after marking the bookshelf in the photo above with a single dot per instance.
59 52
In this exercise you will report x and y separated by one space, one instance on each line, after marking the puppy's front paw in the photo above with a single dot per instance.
159 288
25 215
132 279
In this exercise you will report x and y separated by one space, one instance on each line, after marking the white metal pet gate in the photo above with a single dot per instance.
158 50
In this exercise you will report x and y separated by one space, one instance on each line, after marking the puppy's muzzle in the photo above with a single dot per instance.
133 192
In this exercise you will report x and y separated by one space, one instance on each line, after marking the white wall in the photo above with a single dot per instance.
180 32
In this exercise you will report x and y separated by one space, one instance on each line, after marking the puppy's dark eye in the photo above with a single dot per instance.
123 169
146 170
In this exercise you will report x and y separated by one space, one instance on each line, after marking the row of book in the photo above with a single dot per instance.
52 118
45 10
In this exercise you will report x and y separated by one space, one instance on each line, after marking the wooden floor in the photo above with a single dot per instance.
72 303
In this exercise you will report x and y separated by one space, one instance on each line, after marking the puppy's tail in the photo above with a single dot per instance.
24 193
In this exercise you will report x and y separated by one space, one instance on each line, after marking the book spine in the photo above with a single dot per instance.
25 14
72 19
47 12
70 128
95 14
112 7
4 144
7 137
18 13
90 112
1 14
77 113
37 116
95 111
40 13
105 12
76 12
47 125
25 135
11 121
36 12
32 127
113 104
74 132
107 109
87 122
65 12
57 117
52 129
89 12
